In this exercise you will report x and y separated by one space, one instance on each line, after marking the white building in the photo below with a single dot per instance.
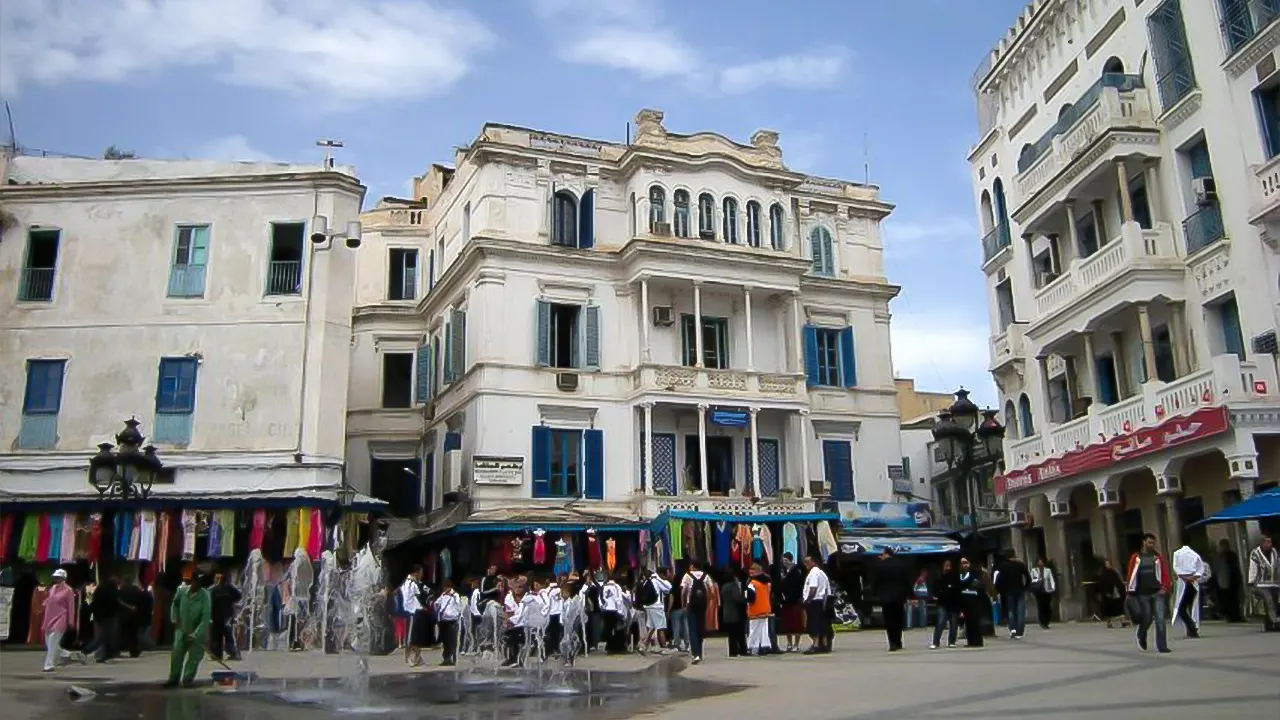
1126 181
191 296
525 330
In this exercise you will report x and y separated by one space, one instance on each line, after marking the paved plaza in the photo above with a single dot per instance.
1073 671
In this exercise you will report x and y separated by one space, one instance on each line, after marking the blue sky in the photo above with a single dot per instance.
402 82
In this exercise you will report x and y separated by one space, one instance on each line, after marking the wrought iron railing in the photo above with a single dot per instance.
995 241
284 277
1119 81
37 285
1242 20
1203 228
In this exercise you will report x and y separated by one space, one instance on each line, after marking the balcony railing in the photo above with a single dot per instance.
1121 82
1114 258
172 428
1203 228
186 281
39 431
284 277
995 241
1242 20
1008 345
679 378
1229 380
37 285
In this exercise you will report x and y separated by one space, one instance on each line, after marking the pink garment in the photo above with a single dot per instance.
315 541
539 549
258 529
59 608
67 549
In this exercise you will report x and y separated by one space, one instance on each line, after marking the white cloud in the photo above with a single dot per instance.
942 352
336 50
903 237
800 71
648 53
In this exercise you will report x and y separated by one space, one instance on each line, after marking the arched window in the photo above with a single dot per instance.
1062 112
564 219
1001 209
706 216
1011 420
988 215
775 226
821 252
1024 416
731 221
753 223
1113 66
681 200
1025 156
657 206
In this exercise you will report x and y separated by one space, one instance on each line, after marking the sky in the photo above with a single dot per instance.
849 84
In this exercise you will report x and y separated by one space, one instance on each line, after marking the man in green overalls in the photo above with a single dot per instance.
190 613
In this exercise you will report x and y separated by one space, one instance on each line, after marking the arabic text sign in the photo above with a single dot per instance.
497 470
1177 431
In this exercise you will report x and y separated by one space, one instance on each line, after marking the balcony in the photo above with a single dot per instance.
1228 381
995 241
37 285
284 277
679 379
788 501
1008 346
1267 196
1114 104
1203 228
1135 250
1243 21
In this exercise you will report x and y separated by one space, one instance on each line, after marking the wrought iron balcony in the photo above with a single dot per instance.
995 241
37 285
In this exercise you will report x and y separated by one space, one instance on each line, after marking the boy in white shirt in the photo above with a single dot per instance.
613 611
448 611
555 608
652 598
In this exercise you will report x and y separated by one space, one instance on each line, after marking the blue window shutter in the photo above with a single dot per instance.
815 249
452 441
811 354
435 366
543 340
458 327
422 393
44 386
541 461
431 271
587 219
591 337
448 355
837 461
429 472
593 441
176 390
848 359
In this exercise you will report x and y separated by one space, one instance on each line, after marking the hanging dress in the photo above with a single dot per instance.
766 539
42 538
594 561
304 529
93 539
315 542
291 534
135 536
259 529
826 541
723 544
188 535
745 539
611 553
675 532
564 558
446 563
539 547
790 543
55 538
30 537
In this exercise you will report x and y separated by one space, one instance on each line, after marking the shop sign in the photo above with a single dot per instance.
729 418
497 469
1176 431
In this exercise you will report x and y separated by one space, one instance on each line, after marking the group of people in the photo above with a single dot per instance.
568 614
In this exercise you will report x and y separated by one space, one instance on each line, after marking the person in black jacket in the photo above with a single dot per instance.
135 618
105 607
971 591
1012 580
223 597
791 594
893 587
945 590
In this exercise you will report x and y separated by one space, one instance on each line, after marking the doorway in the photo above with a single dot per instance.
719 463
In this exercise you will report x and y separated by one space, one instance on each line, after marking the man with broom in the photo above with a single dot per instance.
191 614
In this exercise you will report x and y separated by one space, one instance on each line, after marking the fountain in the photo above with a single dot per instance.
253 607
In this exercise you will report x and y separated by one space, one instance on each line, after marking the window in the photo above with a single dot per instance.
175 400
402 274
455 346
1163 341
42 259
1267 100
573 220
190 256
466 223
1059 401
715 342
1004 304
567 463
431 271
1108 392
1242 19
657 207
1087 234
568 335
753 224
397 483
1175 76
397 380
821 252
1140 202
40 405
1025 419
681 201
706 217
775 226
1011 420
731 221
1228 313
284 271
830 357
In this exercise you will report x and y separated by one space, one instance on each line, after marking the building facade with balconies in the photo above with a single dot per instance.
675 323
1124 184
189 295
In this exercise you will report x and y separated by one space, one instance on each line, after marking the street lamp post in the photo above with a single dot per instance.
961 434
128 472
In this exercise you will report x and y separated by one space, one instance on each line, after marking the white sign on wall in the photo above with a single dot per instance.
497 469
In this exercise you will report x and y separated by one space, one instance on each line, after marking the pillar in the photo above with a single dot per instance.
1067 581
1110 539
646 353
648 450
1154 201
1122 364
1173 518
751 355
1090 367
797 352
1072 233
1100 220
1244 471
1126 202
702 444
1073 389
1181 339
1046 401
697 333
1148 344
804 453
755 452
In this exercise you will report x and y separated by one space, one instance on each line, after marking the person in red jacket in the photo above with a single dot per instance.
1149 583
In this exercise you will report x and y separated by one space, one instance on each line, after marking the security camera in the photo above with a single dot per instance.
319 229
353 242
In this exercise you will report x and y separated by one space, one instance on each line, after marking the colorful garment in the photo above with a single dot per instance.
723 544
790 541
6 535
291 534
228 522
826 541
690 540
55 538
93 539
564 558
675 531
135 536
315 540
304 529
258 530
162 541
188 535
42 538
446 564
611 554
67 545
30 537
766 540
146 535
214 548
594 561
744 538
539 547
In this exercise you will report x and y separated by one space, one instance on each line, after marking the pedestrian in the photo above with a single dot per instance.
1111 593
918 605
105 608
1148 585
414 597
817 598
791 591
679 635
733 613
1264 578
224 596
448 611
136 606
613 612
59 616
1190 570
515 608
970 588
759 597
652 597
1227 582
399 619
1012 580
946 593
694 590
1043 586
191 614
553 600
893 587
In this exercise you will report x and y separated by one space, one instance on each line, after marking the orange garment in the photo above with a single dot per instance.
760 607
611 553
713 608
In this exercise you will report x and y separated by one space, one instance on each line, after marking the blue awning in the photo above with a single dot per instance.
1262 505
901 541
755 519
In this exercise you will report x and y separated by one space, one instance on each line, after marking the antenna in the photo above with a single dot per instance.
866 158
13 134
328 146
628 132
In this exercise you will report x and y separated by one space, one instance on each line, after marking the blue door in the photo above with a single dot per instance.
837 466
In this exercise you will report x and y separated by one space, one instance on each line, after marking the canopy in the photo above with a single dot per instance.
753 519
901 541
1262 505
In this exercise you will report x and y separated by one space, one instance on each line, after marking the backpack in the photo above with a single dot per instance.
698 593
646 595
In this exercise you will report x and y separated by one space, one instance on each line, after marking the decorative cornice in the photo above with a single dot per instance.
1181 110
1267 418
326 180
1253 51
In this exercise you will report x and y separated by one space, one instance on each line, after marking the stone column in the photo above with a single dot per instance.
751 353
1154 201
702 449
646 353
697 329
1067 581
804 453
1090 367
1109 534
755 453
1072 233
1073 388
1126 202
1148 344
1173 517
648 450
1244 471
1181 339
1100 221
797 355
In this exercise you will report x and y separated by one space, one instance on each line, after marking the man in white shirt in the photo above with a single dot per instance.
1190 570
554 603
652 596
817 598
411 593
448 610
613 611
516 609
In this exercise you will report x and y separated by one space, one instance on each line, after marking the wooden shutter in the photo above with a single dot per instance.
811 354
540 459
593 460
591 337
422 391
587 219
542 338
848 359
458 329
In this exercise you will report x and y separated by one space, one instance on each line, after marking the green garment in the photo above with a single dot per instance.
675 529
30 537
190 613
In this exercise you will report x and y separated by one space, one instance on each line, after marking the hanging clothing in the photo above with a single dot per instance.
539 547
791 542
135 536
675 531
826 541
723 544
30 537
67 544
713 607
55 538
315 542
745 541
802 541
188 534
93 539
124 533
258 530
42 538
214 548
564 558
146 535
594 561
228 532
611 554
446 564
662 549
691 541
766 540
291 534
304 529
6 535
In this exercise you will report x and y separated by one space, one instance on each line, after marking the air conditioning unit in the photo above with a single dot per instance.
707 234
1059 509
567 381
1168 485
660 228
664 315
1018 518
451 472
1205 190
819 488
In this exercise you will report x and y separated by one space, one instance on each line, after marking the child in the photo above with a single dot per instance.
448 610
